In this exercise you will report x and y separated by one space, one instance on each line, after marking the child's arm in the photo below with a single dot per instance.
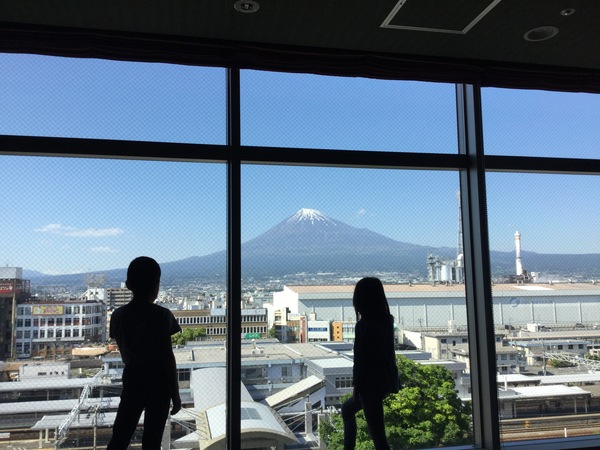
173 378
174 382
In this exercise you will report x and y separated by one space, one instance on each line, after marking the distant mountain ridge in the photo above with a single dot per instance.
311 242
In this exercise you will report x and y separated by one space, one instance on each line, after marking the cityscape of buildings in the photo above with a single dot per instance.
296 343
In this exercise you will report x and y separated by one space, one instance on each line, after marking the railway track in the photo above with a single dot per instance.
549 427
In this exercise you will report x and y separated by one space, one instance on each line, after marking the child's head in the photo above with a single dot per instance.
369 299
143 277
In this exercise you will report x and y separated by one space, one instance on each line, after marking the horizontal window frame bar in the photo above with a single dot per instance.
168 151
542 164
182 152
112 149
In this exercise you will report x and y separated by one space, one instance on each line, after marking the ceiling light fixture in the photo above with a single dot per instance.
246 6
540 33
567 12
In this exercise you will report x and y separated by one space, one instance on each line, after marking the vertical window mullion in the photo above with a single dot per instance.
482 347
234 265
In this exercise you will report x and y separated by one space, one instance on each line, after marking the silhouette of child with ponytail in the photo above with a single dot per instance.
375 373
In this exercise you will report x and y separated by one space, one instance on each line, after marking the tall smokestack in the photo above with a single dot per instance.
518 253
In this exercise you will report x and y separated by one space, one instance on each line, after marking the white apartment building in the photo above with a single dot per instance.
509 360
318 331
539 352
439 344
44 329
214 322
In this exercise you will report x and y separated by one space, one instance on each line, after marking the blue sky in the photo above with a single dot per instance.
74 214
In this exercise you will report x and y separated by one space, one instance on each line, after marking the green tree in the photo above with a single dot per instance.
425 413
187 334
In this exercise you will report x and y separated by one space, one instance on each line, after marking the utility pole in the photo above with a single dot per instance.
13 322
95 425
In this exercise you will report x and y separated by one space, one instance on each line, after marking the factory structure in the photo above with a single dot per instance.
448 270
444 306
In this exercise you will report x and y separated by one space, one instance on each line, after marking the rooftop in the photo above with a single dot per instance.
498 290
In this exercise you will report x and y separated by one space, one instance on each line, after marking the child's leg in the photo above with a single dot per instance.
349 410
155 418
373 407
128 417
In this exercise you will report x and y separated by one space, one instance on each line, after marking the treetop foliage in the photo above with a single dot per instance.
425 413
187 334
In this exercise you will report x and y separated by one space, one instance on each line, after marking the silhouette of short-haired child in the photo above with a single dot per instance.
143 333
375 374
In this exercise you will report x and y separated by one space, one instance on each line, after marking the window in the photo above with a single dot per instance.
305 116
183 210
184 374
343 382
537 287
107 94
563 126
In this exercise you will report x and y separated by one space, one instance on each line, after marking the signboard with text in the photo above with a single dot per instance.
8 287
47 310
252 336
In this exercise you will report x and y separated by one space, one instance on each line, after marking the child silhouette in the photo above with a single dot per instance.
143 333
375 373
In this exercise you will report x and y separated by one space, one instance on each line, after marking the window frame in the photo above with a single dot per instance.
470 162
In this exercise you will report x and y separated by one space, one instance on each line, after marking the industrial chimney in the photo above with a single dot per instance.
519 264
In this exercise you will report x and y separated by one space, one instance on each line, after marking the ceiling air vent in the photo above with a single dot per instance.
435 16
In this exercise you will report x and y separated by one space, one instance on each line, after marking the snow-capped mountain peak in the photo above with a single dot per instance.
311 215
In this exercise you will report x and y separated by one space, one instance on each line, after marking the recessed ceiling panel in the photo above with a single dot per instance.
438 16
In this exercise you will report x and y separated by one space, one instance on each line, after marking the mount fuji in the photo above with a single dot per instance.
312 242
308 241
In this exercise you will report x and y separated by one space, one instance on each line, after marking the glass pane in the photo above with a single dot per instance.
309 234
545 265
89 98
70 228
312 111
540 123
